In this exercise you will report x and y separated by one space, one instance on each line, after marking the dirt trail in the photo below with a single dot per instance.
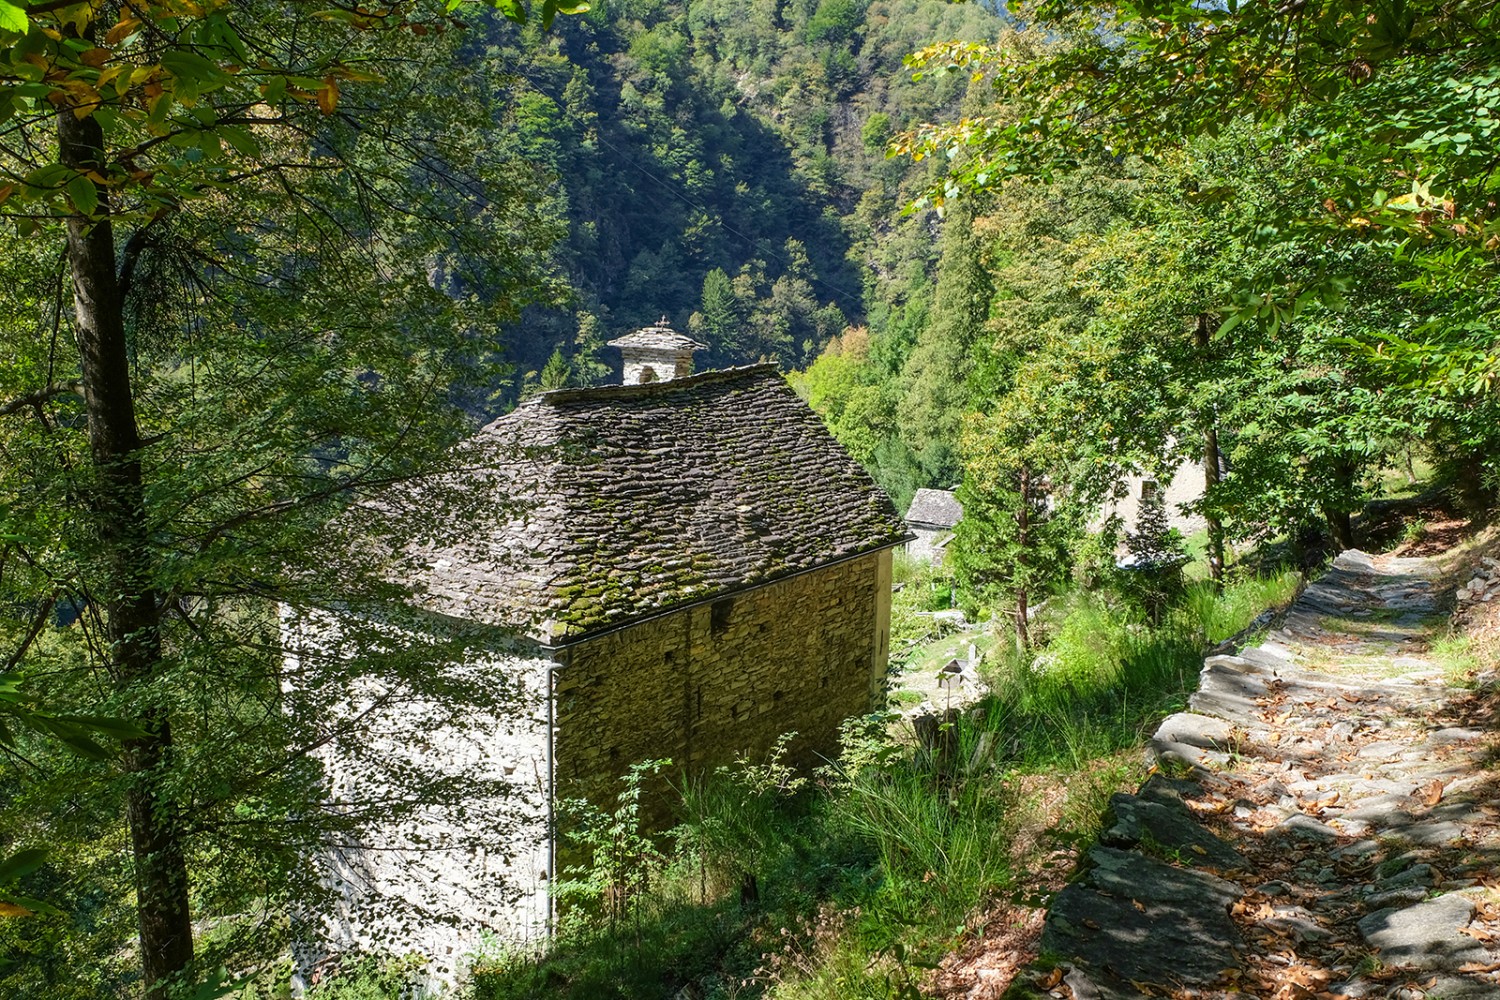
1323 822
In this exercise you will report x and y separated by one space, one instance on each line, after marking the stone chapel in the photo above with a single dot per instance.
683 566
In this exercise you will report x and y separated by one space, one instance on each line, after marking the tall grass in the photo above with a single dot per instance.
1106 677
940 839
1224 614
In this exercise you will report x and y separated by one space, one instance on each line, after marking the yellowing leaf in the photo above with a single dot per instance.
328 96
123 30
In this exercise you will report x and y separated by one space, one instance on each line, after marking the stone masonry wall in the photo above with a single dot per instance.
707 683
925 546
664 365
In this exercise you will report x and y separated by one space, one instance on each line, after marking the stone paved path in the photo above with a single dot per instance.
1323 822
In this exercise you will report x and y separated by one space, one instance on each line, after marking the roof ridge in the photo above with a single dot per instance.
560 397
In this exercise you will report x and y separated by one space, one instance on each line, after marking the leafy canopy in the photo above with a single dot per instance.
184 92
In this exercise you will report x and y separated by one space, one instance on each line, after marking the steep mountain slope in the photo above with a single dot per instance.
722 164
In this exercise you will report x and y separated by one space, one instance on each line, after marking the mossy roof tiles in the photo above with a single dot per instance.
584 509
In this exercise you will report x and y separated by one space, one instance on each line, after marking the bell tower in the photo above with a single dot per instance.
656 354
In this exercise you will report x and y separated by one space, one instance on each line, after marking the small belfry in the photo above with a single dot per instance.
656 353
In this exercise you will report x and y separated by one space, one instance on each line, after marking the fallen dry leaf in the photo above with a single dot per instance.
1477 933
1431 792
1051 979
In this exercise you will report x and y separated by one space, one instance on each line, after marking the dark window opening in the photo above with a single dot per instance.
718 616
1149 489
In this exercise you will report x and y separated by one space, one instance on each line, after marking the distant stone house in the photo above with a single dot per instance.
932 516
1184 486
683 568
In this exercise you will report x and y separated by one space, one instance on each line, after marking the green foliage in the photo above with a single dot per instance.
298 316
622 856
557 373
1391 112
1154 578
686 144
735 820
370 979
937 378
876 132
835 21
1226 612
940 841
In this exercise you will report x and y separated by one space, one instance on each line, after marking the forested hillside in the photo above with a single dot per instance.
724 165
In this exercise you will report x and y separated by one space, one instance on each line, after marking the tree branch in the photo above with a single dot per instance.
41 396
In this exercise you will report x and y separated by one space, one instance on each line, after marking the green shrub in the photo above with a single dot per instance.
621 858
938 827
373 979
737 821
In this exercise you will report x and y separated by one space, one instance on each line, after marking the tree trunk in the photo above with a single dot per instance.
1340 522
1215 526
1469 480
1211 471
1023 525
128 598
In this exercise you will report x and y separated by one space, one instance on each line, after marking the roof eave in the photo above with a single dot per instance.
556 641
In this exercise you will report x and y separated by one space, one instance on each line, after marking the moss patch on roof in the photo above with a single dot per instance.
587 508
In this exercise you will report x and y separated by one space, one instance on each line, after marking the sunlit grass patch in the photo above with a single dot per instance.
1222 614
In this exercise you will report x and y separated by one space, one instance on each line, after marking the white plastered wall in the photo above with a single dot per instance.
444 880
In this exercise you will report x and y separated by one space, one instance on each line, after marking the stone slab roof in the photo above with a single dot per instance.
934 509
585 509
657 338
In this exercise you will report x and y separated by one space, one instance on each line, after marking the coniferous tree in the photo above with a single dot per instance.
719 316
936 380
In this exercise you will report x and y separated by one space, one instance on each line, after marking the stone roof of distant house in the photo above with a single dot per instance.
934 509
586 509
658 338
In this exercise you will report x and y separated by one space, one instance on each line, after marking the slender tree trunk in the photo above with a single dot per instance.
1341 525
1472 495
128 598
1340 521
1215 526
1211 470
1023 526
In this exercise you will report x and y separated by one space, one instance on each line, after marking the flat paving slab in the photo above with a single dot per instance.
1329 827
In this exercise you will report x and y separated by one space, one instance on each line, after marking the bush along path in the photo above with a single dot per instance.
1322 823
